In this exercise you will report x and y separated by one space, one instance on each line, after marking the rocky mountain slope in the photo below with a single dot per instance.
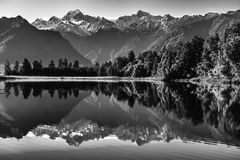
19 40
100 39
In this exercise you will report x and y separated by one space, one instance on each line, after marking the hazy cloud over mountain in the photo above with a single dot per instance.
30 9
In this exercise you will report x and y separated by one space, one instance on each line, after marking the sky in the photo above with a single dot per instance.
112 9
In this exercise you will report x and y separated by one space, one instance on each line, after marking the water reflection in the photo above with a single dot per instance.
140 112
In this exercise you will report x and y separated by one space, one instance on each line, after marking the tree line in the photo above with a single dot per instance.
121 66
215 57
63 68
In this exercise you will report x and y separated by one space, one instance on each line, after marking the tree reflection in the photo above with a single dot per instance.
63 90
217 106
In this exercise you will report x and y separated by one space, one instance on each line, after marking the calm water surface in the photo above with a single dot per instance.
117 120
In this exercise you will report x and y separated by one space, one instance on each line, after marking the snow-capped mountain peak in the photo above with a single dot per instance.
76 22
101 39
141 13
168 17
71 14
54 19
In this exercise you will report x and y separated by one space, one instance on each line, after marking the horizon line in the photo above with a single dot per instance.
113 19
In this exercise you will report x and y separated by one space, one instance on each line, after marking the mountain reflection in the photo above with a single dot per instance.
137 111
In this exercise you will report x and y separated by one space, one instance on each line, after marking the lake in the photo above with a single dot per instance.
118 120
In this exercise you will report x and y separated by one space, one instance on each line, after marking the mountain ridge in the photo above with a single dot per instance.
100 39
19 40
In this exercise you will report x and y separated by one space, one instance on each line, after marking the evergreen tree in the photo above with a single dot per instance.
225 69
76 65
131 56
210 56
139 71
110 71
16 68
232 49
118 65
26 67
65 63
101 71
197 44
97 64
167 61
37 65
155 66
232 31
51 65
70 66
7 68
96 68
60 64
148 66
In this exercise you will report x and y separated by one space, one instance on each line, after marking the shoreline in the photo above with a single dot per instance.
75 79
197 80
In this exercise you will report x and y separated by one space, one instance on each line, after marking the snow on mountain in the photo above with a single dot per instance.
100 39
140 21
88 24
71 14
75 22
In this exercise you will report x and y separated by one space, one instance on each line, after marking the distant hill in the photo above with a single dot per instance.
100 39
19 40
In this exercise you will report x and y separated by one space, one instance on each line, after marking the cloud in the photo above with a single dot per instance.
4 115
